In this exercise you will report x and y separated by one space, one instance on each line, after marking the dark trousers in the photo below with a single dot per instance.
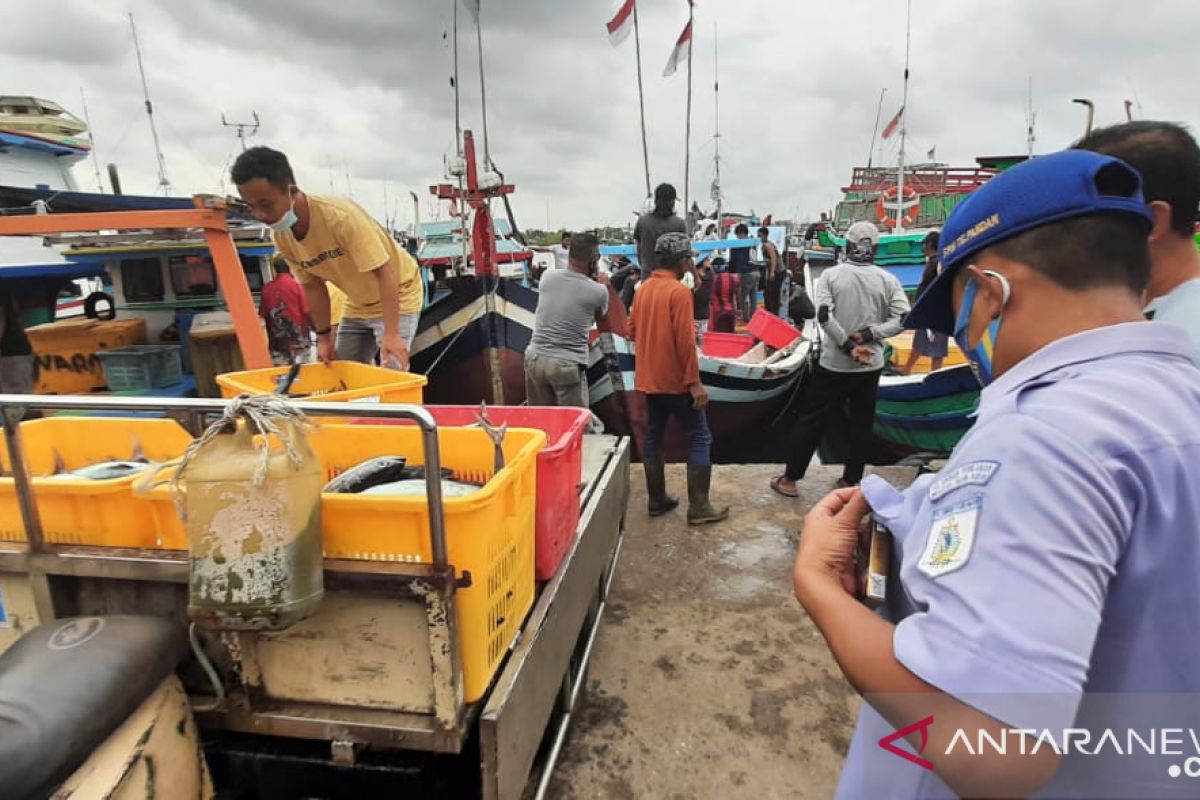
827 392
659 410
771 300
748 294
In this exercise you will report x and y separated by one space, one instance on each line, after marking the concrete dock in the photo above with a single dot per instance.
707 679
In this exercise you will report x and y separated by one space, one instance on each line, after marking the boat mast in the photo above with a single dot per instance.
687 140
637 45
163 182
95 159
903 126
875 132
718 195
460 167
487 154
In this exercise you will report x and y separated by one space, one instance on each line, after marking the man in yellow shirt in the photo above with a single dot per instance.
332 239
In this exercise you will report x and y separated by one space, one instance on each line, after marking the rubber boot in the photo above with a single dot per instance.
656 488
700 510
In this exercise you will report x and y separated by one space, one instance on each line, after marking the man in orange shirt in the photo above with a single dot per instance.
668 373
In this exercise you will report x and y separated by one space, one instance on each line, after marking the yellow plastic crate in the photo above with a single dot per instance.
489 534
341 381
78 510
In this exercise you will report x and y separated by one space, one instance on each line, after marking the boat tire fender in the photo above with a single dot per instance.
91 312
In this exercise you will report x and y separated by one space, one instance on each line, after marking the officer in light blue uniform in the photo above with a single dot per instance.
1057 555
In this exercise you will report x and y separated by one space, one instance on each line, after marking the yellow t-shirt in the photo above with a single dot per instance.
344 246
337 304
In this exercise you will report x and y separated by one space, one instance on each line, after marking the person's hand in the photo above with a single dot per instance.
862 354
393 352
699 396
326 351
602 278
828 542
855 336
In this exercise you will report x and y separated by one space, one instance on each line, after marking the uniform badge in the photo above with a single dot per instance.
951 538
977 473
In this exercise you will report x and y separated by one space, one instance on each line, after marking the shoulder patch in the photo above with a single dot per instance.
951 538
977 473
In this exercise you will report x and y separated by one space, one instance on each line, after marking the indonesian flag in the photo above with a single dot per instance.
620 25
894 124
683 46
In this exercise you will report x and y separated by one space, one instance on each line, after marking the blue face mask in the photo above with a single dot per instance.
979 356
286 222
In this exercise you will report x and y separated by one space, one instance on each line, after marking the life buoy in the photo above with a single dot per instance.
95 298
886 205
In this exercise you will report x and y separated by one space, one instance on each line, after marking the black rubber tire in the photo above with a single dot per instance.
89 306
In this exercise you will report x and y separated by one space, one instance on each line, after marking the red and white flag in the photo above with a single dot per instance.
683 45
894 124
620 25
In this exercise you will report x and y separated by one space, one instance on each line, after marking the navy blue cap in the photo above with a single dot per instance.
1043 190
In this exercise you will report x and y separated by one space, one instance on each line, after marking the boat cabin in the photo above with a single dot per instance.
156 279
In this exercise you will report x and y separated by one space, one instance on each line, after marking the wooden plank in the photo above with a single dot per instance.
521 703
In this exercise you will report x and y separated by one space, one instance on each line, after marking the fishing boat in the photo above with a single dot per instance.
927 412
744 396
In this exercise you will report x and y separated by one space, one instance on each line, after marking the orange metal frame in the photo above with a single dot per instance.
209 218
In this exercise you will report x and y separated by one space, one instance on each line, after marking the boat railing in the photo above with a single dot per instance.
923 180
14 406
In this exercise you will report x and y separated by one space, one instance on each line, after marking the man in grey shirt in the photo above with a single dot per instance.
568 302
651 226
858 306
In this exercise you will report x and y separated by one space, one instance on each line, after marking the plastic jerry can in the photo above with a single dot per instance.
255 550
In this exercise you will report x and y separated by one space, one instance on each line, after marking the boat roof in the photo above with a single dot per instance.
29 257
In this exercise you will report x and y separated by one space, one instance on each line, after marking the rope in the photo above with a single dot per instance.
263 412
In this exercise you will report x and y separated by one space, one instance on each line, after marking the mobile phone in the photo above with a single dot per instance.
875 558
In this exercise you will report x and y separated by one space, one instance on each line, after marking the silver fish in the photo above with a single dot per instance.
105 470
373 471
496 434
414 487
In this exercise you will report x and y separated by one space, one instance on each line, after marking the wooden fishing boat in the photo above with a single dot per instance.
929 412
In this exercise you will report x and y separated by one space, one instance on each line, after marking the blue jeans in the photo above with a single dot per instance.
659 409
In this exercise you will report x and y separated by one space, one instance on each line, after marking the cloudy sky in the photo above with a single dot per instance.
357 92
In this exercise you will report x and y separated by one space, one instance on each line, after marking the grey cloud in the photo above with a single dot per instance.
363 85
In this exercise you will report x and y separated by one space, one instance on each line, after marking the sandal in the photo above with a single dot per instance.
775 484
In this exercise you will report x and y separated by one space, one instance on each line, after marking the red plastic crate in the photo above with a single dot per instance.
772 330
726 345
559 469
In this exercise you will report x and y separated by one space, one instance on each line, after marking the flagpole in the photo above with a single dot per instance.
637 43
903 126
687 143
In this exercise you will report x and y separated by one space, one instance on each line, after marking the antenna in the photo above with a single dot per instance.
163 182
242 128
717 194
92 139
903 127
875 131
1091 112
1030 120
